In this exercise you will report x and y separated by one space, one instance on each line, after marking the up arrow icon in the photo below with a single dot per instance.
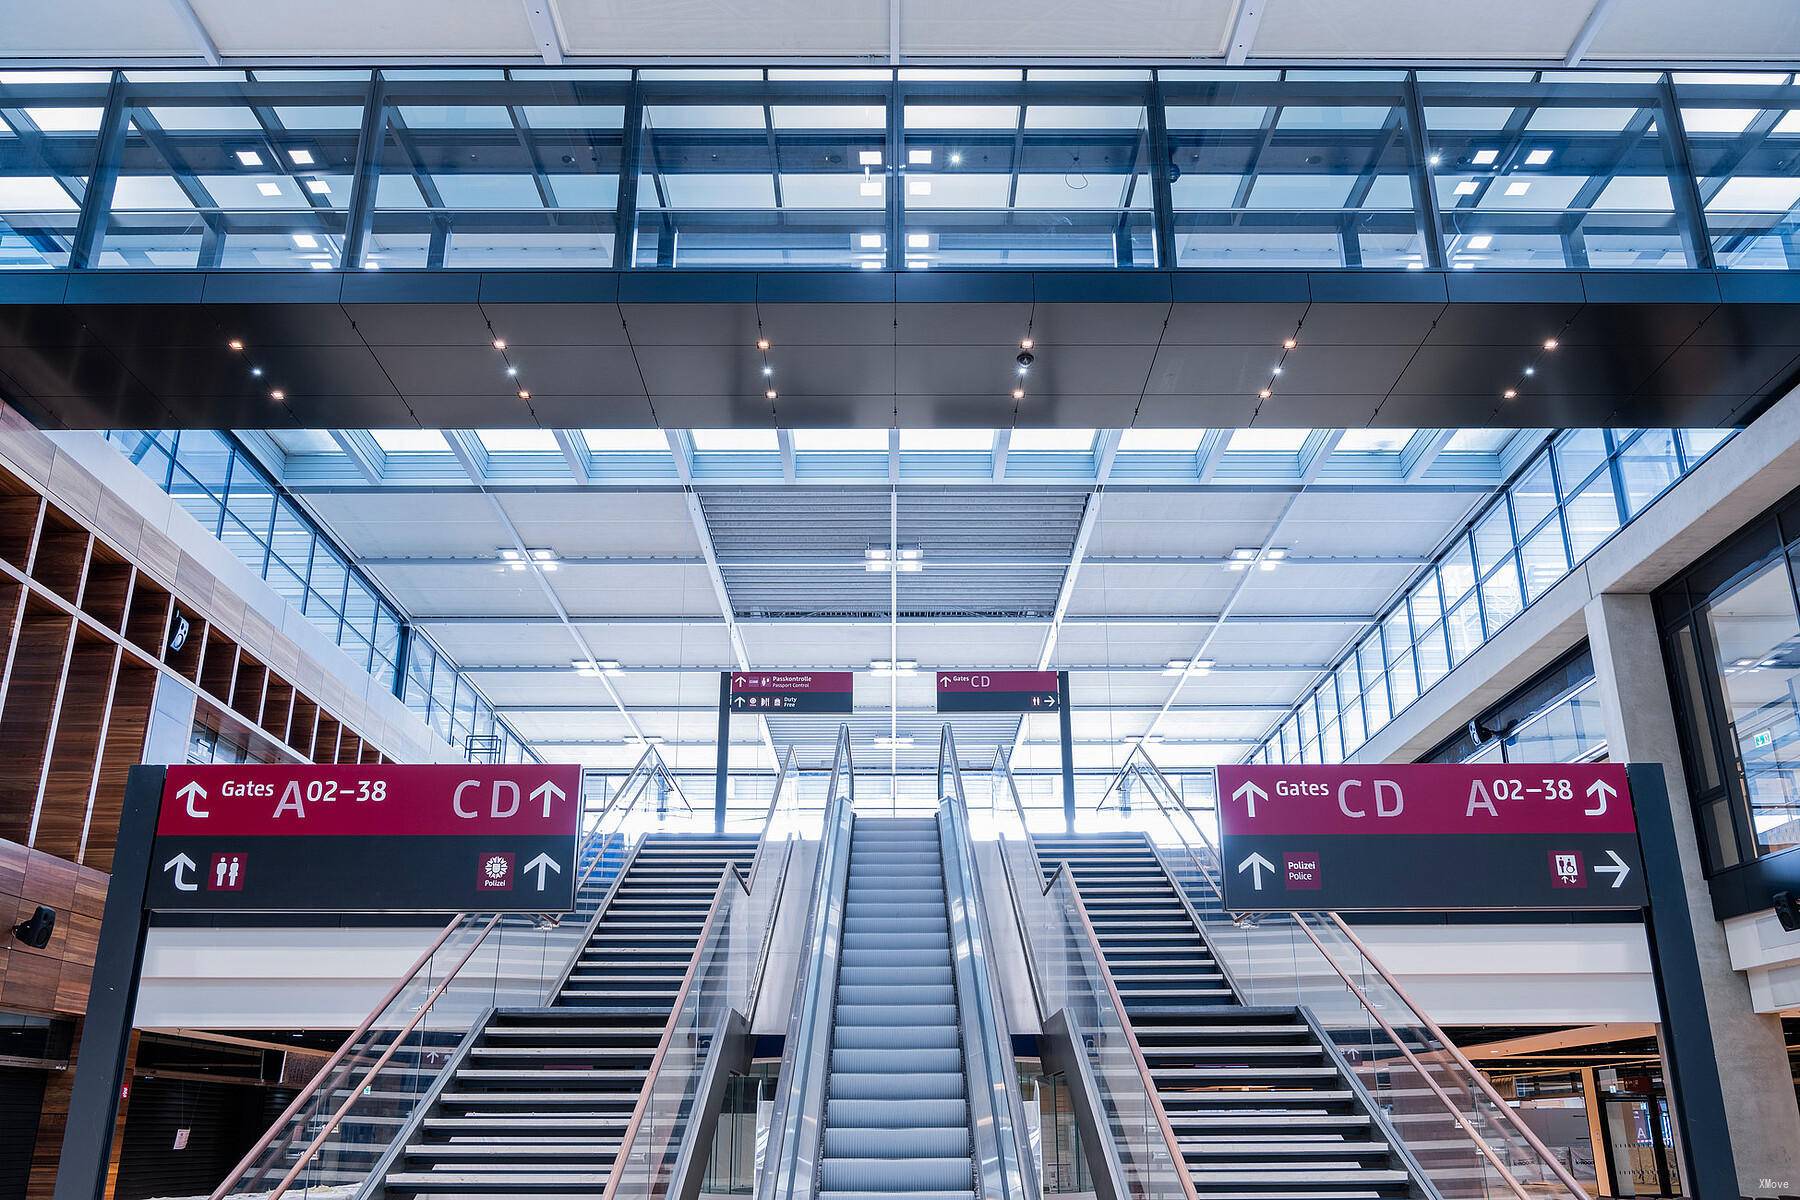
1249 793
180 865
1599 791
1256 864
190 793
547 792
543 864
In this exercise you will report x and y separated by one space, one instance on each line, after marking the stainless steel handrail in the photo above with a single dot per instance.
321 1079
1165 796
1003 1166
1172 1145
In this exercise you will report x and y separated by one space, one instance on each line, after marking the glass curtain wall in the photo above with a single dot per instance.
1568 498
1731 640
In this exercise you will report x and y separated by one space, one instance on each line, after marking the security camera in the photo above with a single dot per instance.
1024 358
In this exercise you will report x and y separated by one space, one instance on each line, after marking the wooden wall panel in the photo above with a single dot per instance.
127 724
75 746
53 980
32 685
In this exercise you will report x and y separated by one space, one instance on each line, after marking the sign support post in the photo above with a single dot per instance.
1066 734
1696 1096
112 996
723 770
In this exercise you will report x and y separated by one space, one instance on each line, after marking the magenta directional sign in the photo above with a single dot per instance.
790 691
1428 836
997 692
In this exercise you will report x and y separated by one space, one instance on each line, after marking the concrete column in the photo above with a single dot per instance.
1639 715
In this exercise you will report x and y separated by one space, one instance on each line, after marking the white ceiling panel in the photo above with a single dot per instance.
1266 642
1089 28
1166 589
490 28
505 645
1195 523
592 589
488 589
129 28
809 644
413 524
1419 28
1364 522
713 27
670 644
630 524
1748 30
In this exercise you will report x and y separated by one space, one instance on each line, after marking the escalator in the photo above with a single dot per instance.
540 1099
1260 1103
897 1113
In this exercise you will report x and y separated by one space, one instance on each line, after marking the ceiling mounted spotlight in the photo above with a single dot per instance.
770 393
278 394
762 343
499 343
1509 394
1018 393
1290 343
1265 393
1027 343
524 394
1024 358
1551 343
234 344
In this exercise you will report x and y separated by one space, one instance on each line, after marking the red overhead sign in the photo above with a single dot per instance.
997 691
791 691
1425 836
367 838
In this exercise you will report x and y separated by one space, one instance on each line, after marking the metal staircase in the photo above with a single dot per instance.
1260 1103
539 1100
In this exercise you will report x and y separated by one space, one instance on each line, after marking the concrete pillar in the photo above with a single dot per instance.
1758 1088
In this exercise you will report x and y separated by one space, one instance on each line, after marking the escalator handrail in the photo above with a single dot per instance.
1064 872
1164 800
322 1077
981 1007
805 1060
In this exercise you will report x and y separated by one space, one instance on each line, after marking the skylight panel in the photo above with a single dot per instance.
735 441
1376 440
626 441
1051 441
978 441
410 441
1478 441
1269 441
841 441
1161 441
518 441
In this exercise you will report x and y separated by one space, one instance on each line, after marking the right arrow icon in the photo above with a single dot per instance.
1618 870
1256 864
1249 793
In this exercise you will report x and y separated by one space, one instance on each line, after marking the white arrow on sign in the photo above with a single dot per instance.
1249 793
181 864
1602 791
740 681
1256 864
192 792
548 791
543 864
1618 870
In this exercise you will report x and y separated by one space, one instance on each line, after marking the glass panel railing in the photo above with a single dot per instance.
1072 982
347 1120
1465 1139
715 1004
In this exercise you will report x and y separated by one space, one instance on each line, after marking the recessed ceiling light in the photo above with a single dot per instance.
256 372
1484 158
762 343
918 187
1026 343
1268 565
1176 666
1529 371
768 370
584 666
306 241
320 264
956 159
1434 160
512 371
318 187
1551 343
919 241
509 554
610 666
499 343
1518 187
1244 553
1537 158
1265 393
269 189
918 264
876 554
544 554
249 158
1481 241
301 158
524 394
919 158
869 241
1509 394
278 394
869 158
1466 188
903 742
1289 343
870 264
1275 370
871 187
1276 552
234 344
1018 393
770 393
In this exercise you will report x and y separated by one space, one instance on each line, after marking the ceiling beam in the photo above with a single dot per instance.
1106 452
1241 36
1210 451
905 710
805 621
463 445
362 452
1422 451
1077 668
203 39
847 564
546 30
1317 451
739 652
574 450
1590 29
